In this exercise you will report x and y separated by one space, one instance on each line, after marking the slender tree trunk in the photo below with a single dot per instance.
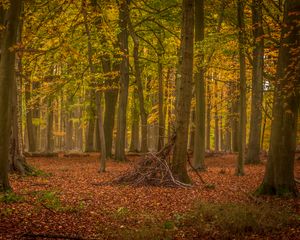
161 117
138 79
279 174
199 148
7 74
208 117
217 137
29 125
234 119
257 84
49 138
97 97
185 94
124 82
134 143
243 104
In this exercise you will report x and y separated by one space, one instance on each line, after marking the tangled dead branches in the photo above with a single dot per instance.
153 169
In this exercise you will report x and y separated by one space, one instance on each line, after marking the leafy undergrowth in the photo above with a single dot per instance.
73 201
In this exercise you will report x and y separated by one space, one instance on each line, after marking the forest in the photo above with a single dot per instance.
149 119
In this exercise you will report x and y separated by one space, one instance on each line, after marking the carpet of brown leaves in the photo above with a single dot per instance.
96 204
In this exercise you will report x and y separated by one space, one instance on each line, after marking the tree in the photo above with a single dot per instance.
124 81
243 105
199 147
184 94
279 175
7 78
257 84
138 79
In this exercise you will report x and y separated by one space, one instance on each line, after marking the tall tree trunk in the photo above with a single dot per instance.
29 117
208 117
7 74
89 141
199 148
234 119
242 111
257 84
138 79
97 96
111 97
161 117
217 136
279 175
134 143
49 138
124 82
185 94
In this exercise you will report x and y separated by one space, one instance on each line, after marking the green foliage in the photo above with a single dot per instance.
52 201
10 197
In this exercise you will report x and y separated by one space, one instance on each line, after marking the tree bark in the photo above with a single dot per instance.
243 105
279 175
199 147
111 97
257 84
184 94
161 117
134 143
7 73
138 79
208 117
124 82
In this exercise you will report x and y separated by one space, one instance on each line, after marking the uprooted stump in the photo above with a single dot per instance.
152 170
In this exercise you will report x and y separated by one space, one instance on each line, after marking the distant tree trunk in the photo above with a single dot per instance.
217 137
69 126
134 143
234 119
138 79
228 122
111 97
101 133
185 94
243 104
199 148
49 138
7 73
124 82
279 174
208 117
89 141
161 117
29 117
257 84
192 130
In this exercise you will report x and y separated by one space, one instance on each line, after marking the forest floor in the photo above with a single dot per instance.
69 199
